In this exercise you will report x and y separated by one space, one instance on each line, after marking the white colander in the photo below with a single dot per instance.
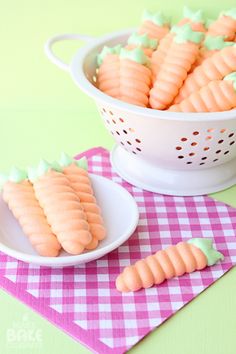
160 151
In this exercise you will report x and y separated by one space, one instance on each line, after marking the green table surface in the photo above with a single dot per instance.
43 113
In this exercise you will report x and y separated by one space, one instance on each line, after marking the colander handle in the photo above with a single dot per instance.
62 37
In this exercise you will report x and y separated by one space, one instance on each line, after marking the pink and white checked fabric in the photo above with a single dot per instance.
83 300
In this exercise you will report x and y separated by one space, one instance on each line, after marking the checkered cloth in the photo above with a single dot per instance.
83 300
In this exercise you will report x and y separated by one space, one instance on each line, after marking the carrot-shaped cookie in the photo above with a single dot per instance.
196 21
154 25
61 206
128 78
216 96
194 18
110 54
177 63
225 25
185 257
18 193
76 172
216 67
148 45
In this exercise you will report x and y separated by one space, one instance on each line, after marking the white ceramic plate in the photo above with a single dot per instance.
120 214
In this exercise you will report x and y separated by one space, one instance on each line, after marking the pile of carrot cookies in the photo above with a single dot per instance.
187 67
55 206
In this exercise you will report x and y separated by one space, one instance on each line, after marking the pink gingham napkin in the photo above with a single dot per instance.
83 301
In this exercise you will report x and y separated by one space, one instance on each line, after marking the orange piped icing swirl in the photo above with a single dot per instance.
223 26
80 182
174 70
214 68
218 95
165 264
125 79
64 212
22 201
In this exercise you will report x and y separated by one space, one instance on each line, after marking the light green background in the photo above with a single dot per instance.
43 113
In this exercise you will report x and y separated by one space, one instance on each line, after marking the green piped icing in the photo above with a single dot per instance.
194 16
142 40
66 160
35 172
56 166
32 173
205 245
157 18
208 22
107 50
136 54
232 77
230 13
186 34
82 163
17 175
216 43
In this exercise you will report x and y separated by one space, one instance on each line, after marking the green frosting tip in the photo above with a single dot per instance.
230 13
194 16
205 245
231 77
65 160
43 167
157 18
32 173
56 166
82 163
185 34
136 54
17 175
107 50
216 43
142 40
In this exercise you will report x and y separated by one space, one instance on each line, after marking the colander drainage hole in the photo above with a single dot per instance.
209 137
195 133
188 163
122 143
124 131
218 151
215 160
111 113
113 120
202 163
117 133
223 130
178 148
191 154
206 148
138 141
128 142
204 158
121 120
230 135
232 142
134 152
138 149
226 152
220 141
180 157
210 130
184 139
194 144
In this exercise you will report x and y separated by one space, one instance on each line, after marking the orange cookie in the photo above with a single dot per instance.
79 179
225 25
127 78
216 96
177 63
185 257
216 67
62 207
18 193
154 25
